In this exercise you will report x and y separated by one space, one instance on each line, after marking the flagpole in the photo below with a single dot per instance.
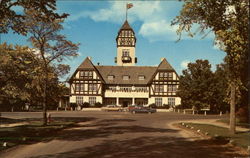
126 11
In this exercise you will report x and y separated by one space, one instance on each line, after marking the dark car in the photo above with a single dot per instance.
143 110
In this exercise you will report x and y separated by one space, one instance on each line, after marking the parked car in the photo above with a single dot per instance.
143 110
111 108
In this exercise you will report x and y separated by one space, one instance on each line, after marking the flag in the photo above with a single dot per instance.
129 5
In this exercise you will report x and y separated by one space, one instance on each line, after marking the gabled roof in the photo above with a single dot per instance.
86 64
132 71
164 65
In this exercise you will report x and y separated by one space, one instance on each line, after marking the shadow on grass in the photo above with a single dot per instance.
34 131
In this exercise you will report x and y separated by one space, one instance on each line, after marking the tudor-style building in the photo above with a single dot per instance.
125 84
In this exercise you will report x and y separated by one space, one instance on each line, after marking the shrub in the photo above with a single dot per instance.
166 106
243 115
85 105
73 105
98 104
153 105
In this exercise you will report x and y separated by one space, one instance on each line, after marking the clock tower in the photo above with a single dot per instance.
126 41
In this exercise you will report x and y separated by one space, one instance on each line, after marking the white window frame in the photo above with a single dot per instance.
171 101
158 101
92 100
79 99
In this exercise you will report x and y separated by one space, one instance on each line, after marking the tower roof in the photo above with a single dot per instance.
126 26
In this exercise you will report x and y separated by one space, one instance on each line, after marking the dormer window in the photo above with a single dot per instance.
141 77
125 77
111 77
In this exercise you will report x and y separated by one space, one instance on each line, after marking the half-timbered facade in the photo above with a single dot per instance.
125 84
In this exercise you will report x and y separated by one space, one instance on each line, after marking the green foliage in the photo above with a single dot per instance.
21 79
98 104
15 20
85 105
52 48
229 21
195 85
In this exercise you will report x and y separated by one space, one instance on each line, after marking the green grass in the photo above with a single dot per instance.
226 121
34 131
241 139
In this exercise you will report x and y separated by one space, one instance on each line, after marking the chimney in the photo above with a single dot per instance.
162 59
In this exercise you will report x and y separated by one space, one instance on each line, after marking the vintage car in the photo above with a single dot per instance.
112 108
142 109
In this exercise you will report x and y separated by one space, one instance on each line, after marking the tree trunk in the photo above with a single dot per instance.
45 98
232 109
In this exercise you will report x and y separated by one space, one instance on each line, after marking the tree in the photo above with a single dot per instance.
52 47
21 79
16 72
11 19
195 85
219 89
229 21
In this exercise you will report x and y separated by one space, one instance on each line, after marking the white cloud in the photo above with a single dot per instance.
184 64
158 31
155 16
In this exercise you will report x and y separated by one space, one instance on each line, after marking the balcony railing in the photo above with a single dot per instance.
126 59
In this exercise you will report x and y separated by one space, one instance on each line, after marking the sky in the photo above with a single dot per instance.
95 24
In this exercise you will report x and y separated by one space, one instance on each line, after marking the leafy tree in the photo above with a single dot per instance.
16 71
219 89
195 85
51 46
229 20
12 19
21 79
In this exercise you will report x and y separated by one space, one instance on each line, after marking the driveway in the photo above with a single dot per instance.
123 135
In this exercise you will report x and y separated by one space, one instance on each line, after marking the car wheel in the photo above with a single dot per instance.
149 112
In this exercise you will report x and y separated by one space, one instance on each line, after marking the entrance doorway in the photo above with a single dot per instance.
125 102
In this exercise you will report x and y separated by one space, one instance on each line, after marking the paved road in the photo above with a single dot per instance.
123 135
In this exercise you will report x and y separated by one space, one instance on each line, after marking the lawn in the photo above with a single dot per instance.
226 120
241 139
34 131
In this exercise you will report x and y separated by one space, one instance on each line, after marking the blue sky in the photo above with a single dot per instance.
94 24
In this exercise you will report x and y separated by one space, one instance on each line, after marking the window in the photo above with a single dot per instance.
165 76
141 77
92 100
92 87
159 88
111 77
79 100
158 101
172 88
79 87
126 77
86 74
171 101
125 53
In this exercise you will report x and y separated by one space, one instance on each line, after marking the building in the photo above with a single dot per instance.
125 84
